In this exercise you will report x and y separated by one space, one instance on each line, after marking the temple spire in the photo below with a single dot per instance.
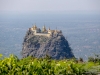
56 29
35 27
44 28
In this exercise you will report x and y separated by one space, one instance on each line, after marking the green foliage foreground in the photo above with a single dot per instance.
45 66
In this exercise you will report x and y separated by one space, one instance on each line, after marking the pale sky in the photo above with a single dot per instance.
22 6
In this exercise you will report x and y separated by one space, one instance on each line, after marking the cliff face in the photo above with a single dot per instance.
38 46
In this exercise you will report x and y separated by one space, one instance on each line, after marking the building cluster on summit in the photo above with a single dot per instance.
44 31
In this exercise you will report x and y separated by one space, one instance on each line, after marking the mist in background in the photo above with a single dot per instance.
79 21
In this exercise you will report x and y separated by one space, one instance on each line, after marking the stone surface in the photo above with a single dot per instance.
55 46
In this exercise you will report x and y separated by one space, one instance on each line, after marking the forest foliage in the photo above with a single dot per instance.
12 65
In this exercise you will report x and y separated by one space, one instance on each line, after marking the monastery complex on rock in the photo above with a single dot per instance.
44 31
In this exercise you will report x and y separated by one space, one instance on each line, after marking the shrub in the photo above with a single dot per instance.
45 66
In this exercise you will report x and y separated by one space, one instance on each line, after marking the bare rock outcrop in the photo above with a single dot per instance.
56 46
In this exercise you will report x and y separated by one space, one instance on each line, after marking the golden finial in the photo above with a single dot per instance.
35 27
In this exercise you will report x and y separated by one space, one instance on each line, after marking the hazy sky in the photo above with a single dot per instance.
22 6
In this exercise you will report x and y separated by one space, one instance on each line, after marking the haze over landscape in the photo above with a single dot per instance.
79 20
57 6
